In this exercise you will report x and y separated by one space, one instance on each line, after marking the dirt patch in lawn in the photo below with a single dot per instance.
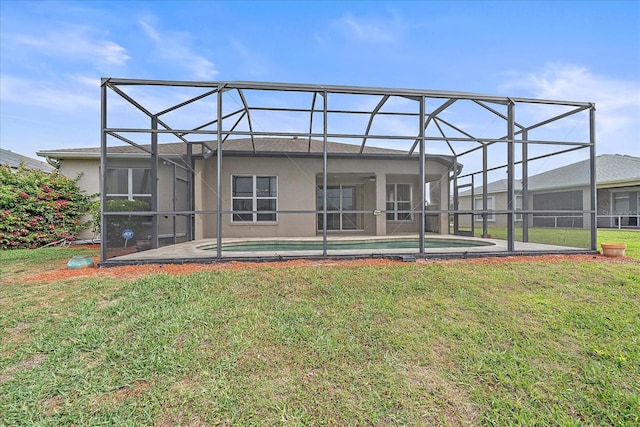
53 404
15 332
454 404
134 271
102 304
133 391
29 362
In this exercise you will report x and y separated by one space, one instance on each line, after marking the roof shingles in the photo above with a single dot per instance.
244 145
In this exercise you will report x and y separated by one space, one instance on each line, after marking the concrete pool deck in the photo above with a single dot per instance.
194 251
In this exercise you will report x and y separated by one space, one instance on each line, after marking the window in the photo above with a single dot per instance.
399 202
477 203
518 208
626 208
255 198
129 184
570 201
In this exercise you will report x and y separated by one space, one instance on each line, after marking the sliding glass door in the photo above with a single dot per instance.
340 200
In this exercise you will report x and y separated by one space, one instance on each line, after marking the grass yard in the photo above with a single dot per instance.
498 342
570 237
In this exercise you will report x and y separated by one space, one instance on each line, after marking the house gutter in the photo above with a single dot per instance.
614 184
56 156
52 162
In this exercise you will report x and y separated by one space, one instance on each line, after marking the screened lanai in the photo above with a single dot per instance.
216 170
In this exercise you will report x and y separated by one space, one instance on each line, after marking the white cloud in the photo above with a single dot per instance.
253 63
173 48
151 32
617 101
78 93
76 42
371 30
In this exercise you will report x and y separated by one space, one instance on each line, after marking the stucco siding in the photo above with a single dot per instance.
297 179
89 182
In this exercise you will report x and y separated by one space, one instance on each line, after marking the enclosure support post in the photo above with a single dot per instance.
219 175
423 216
103 170
191 192
154 182
473 205
456 204
525 185
324 174
485 166
174 240
592 167
510 175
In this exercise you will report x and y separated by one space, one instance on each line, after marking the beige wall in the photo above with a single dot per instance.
89 182
297 191
500 203
296 186
90 170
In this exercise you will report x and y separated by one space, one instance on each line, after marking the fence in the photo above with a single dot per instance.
619 221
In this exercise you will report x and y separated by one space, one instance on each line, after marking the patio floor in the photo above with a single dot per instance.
195 251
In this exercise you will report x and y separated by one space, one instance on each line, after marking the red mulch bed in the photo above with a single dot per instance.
135 271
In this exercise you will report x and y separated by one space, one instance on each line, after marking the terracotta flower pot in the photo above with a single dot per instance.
613 249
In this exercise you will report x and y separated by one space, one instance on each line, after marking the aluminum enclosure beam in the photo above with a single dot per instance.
444 137
297 87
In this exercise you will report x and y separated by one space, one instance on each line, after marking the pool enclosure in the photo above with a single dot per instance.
229 162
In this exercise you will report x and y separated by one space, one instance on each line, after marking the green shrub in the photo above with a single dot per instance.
124 205
38 208
117 223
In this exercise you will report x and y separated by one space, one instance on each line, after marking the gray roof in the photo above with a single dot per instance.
499 186
298 147
242 145
611 169
14 160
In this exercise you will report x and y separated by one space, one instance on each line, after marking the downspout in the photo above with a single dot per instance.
54 163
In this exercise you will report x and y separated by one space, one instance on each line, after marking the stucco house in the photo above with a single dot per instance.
567 188
272 187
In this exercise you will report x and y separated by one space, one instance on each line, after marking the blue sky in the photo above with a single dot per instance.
53 54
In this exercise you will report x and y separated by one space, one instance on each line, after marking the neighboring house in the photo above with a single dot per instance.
14 160
271 187
496 201
567 188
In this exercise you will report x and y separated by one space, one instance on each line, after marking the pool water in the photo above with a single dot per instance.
372 244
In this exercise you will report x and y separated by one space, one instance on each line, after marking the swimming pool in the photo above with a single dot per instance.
366 244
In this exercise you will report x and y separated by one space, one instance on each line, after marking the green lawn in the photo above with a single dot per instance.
571 237
429 343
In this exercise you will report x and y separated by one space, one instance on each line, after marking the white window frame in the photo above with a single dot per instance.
254 200
130 195
478 205
518 216
615 194
359 197
395 202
